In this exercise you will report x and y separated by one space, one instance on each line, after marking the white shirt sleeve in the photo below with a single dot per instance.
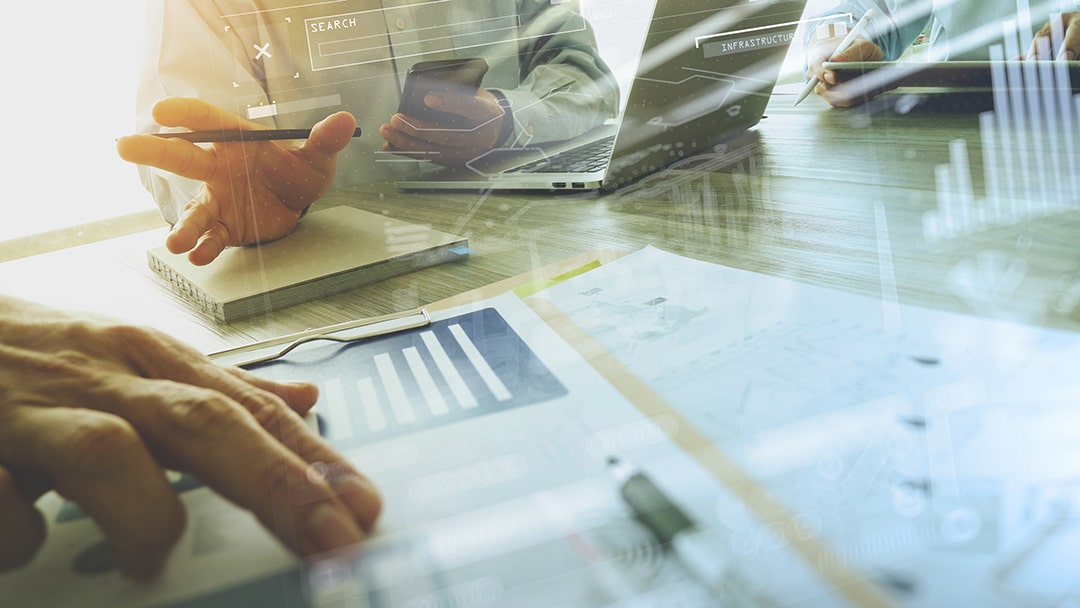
183 60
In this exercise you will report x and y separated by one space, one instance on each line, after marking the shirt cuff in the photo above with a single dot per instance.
507 128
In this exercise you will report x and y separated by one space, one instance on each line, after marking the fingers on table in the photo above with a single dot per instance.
299 396
99 461
22 529
154 354
249 419
324 466
256 458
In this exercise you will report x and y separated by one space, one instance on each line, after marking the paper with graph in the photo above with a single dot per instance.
928 453
932 456
488 437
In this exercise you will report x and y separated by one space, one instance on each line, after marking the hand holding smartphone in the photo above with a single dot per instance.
459 76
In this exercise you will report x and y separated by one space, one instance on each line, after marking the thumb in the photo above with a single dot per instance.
330 135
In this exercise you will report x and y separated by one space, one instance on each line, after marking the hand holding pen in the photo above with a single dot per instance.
236 135
853 47
252 192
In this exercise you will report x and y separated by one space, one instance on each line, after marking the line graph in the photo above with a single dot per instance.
456 369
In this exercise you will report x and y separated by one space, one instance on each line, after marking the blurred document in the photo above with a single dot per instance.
941 439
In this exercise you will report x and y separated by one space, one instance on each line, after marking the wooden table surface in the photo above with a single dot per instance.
827 197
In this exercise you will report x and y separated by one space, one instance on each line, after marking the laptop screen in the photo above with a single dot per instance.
705 72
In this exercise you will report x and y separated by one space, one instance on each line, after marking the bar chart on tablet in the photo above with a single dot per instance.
453 370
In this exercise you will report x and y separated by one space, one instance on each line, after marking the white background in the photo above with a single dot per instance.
69 91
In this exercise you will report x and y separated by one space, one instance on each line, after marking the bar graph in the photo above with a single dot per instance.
453 370
1028 146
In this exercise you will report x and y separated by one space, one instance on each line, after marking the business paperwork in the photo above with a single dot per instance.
931 455
931 460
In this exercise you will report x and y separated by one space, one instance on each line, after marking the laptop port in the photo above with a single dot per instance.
558 184
579 185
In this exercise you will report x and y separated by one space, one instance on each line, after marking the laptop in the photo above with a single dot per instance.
704 74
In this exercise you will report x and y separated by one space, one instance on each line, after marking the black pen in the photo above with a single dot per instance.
231 135
668 523
702 554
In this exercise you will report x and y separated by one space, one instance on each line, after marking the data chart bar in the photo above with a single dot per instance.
288 107
371 405
946 205
340 421
457 385
395 392
1052 153
961 175
488 375
1028 141
991 146
434 399
1018 114
1003 115
449 372
1023 26
1068 118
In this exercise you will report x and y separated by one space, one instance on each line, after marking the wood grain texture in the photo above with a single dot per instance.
827 197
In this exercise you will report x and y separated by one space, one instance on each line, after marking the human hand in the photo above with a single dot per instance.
450 146
252 192
97 410
1070 46
821 51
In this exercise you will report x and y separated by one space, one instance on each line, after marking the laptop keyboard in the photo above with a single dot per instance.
585 159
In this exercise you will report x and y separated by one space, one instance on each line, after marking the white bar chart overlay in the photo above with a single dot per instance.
468 366
491 379
1028 146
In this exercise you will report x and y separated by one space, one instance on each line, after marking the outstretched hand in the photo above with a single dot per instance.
97 410
253 192
448 145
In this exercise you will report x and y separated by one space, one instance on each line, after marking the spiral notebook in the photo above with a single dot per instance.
332 250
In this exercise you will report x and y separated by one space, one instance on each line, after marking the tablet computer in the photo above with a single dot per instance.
959 74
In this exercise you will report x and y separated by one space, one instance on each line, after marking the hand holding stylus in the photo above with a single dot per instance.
253 191
851 48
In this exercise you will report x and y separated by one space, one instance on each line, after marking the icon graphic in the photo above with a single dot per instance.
262 51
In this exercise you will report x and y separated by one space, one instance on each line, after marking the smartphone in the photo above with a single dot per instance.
448 75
